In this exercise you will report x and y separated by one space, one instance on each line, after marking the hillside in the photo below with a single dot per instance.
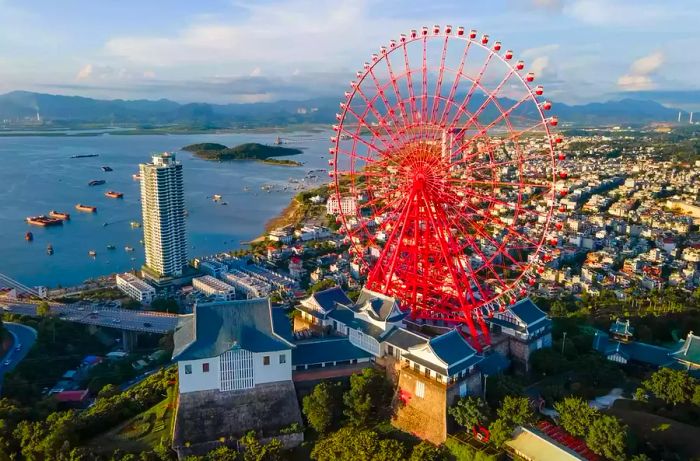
248 151
22 107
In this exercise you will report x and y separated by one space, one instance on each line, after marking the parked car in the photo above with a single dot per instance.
7 362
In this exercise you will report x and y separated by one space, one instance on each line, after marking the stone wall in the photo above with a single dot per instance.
424 417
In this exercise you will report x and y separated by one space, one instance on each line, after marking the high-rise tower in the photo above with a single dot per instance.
163 208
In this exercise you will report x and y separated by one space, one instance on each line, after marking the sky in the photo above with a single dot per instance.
226 51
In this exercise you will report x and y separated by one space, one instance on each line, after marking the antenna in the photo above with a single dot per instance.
679 116
691 118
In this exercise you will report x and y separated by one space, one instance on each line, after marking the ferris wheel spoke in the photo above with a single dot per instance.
490 183
409 84
397 93
438 85
362 122
510 162
389 107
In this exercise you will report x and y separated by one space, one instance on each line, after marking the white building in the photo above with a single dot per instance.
348 205
229 346
251 286
211 286
136 288
163 210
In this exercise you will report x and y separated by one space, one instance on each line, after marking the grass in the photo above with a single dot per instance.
143 432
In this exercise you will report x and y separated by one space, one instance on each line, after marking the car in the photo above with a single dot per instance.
147 324
18 348
7 362
116 321
94 313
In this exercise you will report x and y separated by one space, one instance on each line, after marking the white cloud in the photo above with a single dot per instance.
85 72
616 12
639 76
256 72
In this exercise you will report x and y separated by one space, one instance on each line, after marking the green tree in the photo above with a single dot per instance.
109 390
369 398
607 436
350 444
469 412
500 432
257 451
322 285
43 309
322 407
426 451
575 415
671 386
222 454
695 400
516 411
165 305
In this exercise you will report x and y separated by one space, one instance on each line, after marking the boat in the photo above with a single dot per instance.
111 247
92 253
85 155
59 215
43 221
112 194
106 169
136 177
135 224
28 236
49 249
216 197
278 141
96 182
86 208
128 248
224 203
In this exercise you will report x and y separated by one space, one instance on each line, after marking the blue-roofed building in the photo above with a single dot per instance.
527 328
231 346
687 356
315 308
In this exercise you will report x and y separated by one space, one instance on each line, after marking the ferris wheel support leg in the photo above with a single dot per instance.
473 333
484 330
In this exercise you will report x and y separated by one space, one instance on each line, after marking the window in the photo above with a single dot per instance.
205 367
188 369
416 367
420 389
283 358
390 350
266 360
427 373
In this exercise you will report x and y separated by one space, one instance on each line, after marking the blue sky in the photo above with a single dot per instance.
237 51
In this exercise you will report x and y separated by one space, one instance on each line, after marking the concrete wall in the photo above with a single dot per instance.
198 380
275 371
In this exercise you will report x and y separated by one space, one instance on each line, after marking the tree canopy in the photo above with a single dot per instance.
575 415
671 386
607 437
349 444
469 412
323 407
369 398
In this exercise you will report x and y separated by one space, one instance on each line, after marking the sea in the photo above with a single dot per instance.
37 174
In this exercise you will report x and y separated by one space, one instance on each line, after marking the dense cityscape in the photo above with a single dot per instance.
469 276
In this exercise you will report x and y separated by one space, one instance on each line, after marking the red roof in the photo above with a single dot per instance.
72 396
560 436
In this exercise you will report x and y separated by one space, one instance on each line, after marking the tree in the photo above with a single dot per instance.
695 400
607 436
469 412
43 309
575 415
322 407
257 451
500 432
107 391
369 398
426 451
165 305
516 411
222 453
350 444
671 386
322 285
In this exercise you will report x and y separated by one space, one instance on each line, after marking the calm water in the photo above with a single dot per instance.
38 175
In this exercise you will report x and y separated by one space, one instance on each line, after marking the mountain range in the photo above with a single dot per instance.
59 110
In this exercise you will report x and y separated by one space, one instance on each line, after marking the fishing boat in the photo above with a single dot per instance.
43 221
59 215
106 169
135 224
96 182
85 155
86 208
128 248
92 253
111 247
49 249
136 177
28 236
113 194
216 197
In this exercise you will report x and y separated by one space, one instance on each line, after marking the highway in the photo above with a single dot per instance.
86 313
24 336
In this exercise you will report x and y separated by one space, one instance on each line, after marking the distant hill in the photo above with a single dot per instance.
248 151
76 110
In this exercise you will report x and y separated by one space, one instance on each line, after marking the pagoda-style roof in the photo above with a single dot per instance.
622 329
689 352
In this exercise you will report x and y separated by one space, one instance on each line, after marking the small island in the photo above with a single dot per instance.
248 151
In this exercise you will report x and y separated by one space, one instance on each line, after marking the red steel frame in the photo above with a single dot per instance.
426 170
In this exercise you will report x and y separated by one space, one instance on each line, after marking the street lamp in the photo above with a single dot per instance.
563 343
485 379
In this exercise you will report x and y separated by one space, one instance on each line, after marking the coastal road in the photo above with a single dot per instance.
117 318
24 337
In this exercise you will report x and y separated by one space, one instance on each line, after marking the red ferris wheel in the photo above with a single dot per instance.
445 172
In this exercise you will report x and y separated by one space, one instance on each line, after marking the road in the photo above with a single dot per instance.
24 336
86 313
